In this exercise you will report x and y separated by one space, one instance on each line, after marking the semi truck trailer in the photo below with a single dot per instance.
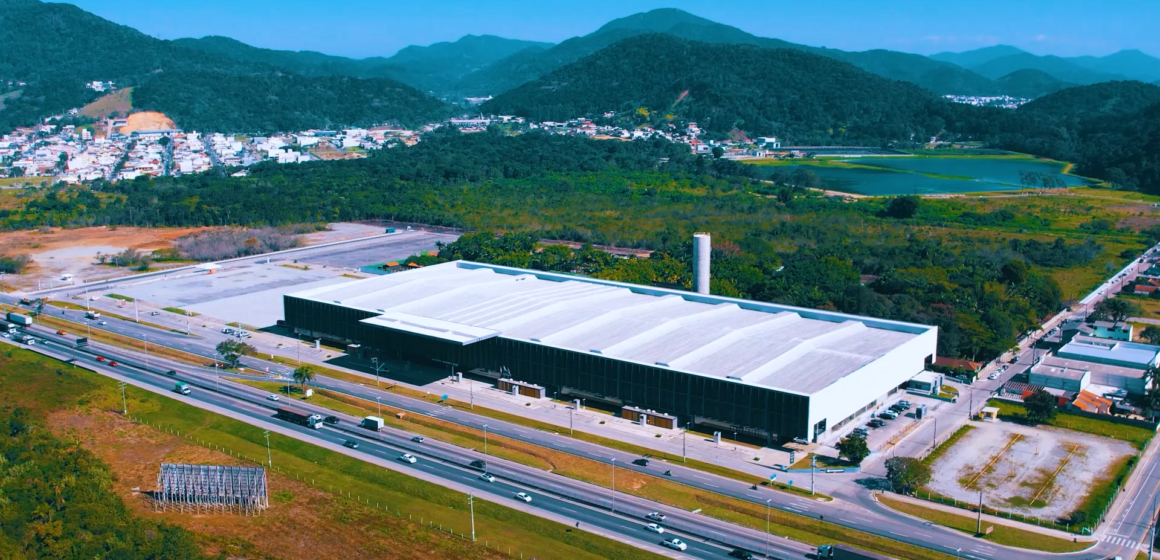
300 417
19 319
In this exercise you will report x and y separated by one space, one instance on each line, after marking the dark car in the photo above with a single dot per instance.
171 372
742 554
332 420
479 464
876 423
641 462
351 444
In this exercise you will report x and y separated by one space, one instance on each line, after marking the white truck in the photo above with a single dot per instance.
19 319
92 314
373 423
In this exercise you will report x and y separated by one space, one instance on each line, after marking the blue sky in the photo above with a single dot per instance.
360 28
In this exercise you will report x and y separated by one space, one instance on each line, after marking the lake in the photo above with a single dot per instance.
907 175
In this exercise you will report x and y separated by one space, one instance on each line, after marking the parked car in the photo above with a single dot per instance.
332 420
994 375
487 477
656 516
675 544
888 415
781 467
273 397
800 440
408 458
523 496
417 439
653 527
860 432
876 423
351 444
227 330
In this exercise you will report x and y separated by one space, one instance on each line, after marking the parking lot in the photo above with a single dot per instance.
1042 471
357 254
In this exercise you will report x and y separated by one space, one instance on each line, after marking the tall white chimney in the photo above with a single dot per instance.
702 248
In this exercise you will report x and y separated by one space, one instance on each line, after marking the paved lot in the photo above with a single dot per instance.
355 255
1042 472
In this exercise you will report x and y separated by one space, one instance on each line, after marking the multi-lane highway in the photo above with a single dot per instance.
1126 528
579 502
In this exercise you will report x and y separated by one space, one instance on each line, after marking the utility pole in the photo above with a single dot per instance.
613 487
124 402
813 468
979 523
269 459
767 528
136 313
1152 533
934 436
684 437
471 507
145 339
471 392
379 402
571 416
485 439
186 322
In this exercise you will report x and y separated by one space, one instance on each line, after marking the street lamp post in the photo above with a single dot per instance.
269 459
145 339
471 507
379 402
767 527
485 439
613 487
684 438
124 402
571 416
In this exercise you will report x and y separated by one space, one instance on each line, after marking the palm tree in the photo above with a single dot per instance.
303 375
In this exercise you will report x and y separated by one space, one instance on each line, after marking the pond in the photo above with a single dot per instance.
929 175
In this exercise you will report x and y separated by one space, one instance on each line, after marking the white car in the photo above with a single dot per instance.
994 375
408 458
653 527
675 544
94 298
524 497
655 516
273 397
486 477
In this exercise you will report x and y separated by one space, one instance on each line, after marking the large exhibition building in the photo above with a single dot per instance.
766 371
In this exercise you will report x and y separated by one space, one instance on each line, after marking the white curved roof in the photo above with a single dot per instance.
779 347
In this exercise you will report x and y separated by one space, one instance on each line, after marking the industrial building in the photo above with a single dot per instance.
662 356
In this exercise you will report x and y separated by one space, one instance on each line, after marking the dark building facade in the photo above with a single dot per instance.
719 404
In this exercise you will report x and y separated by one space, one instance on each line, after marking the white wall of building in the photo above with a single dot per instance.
873 381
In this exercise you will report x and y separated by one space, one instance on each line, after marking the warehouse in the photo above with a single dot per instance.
769 372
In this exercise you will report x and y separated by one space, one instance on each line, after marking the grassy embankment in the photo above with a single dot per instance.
1001 534
654 488
47 386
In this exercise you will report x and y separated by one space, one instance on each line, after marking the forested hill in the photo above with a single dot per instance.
57 48
940 77
1110 130
801 97
435 68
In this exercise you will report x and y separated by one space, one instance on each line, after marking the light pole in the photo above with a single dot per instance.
375 363
471 507
684 437
613 487
934 437
767 527
269 458
571 417
379 402
145 339
124 402
485 439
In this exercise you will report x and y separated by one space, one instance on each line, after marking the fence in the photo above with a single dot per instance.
1067 527
429 524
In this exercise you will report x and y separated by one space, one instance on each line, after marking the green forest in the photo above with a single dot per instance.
901 258
57 502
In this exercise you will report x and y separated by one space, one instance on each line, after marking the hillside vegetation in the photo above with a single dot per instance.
765 92
57 48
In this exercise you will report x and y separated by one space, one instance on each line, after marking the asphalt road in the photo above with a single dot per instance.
1128 519
587 504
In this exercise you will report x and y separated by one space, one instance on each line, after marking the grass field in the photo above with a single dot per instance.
120 101
46 387
1001 534
653 488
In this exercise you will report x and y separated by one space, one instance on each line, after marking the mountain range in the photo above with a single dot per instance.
1001 60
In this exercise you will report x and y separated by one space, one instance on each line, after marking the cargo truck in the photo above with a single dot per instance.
20 319
182 388
92 314
300 417
843 552
372 423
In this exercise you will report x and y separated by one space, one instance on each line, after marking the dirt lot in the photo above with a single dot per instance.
1043 472
74 251
303 523
119 101
148 120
